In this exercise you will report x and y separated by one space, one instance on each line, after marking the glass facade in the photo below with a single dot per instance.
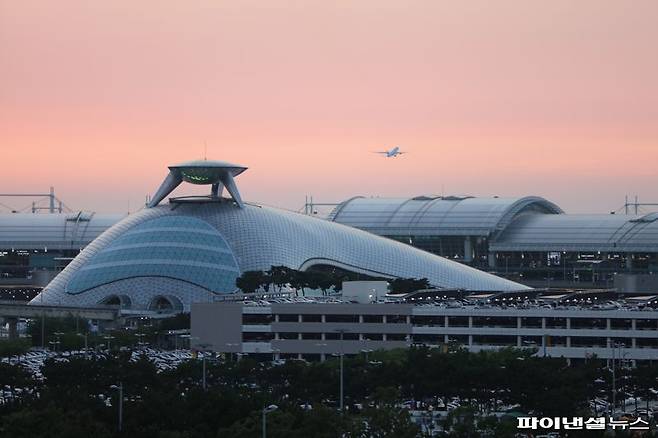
180 247
190 250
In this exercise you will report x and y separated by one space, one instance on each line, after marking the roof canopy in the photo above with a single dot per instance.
58 231
580 232
435 216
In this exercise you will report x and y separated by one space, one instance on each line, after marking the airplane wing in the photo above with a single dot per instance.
379 152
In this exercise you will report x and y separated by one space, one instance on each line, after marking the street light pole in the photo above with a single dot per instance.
108 338
84 336
120 406
342 354
120 419
203 348
615 345
614 382
341 376
43 324
264 424
267 410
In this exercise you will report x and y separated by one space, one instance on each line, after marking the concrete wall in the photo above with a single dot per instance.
217 325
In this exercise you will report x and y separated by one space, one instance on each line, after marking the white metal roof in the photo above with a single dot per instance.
57 231
571 232
431 216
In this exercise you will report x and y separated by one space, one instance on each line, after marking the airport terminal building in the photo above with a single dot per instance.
201 244
192 249
34 248
528 239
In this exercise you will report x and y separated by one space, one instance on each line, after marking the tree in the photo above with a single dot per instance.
13 347
69 324
385 422
53 422
280 276
251 281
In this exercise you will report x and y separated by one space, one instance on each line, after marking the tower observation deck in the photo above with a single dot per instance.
217 174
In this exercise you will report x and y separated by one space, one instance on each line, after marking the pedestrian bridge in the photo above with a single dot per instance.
10 311
19 309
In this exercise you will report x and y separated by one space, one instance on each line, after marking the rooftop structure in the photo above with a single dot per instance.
580 232
526 239
437 215
53 232
218 174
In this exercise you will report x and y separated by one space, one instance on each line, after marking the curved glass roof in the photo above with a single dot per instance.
429 216
58 231
575 232
179 247
185 250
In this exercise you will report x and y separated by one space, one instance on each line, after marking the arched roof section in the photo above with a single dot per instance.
580 232
57 231
436 216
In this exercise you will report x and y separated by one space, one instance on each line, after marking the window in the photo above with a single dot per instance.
256 337
288 318
428 321
373 319
248 319
311 318
396 319
333 336
342 318
458 321
531 322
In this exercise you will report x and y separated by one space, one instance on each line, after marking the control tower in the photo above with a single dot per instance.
218 174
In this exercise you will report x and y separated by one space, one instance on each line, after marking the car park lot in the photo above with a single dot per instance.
163 359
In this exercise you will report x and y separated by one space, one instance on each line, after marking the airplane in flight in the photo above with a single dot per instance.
393 153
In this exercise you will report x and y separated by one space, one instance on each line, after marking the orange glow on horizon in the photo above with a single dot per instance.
513 98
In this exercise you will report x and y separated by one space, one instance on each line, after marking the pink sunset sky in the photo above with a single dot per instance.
509 98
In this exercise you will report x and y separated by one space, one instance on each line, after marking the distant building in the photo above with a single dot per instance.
313 331
192 249
528 239
35 247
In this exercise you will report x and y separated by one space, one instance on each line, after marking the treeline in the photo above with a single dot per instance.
278 277
76 397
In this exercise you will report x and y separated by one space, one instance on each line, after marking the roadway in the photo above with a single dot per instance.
12 310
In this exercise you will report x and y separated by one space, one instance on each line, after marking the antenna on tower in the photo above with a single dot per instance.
205 150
